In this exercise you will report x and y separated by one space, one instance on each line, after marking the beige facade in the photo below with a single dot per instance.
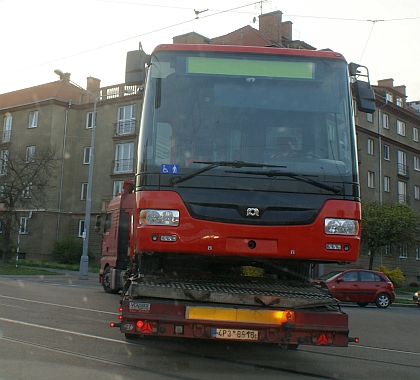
60 114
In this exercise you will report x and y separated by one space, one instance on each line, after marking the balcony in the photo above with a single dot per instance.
403 199
126 127
124 166
6 136
118 91
403 171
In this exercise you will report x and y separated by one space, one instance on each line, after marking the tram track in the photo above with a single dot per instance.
78 329
187 354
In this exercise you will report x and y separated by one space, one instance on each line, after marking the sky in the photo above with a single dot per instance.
91 37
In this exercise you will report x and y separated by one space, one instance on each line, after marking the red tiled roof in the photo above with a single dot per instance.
61 90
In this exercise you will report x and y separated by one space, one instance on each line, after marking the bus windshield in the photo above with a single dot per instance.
288 112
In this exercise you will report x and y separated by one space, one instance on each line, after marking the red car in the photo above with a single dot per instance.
359 286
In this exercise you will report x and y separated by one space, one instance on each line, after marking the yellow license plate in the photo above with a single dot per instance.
237 334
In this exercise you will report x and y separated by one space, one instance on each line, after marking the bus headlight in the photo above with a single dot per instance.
341 226
159 217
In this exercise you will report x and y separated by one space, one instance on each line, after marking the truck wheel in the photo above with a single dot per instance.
383 300
106 281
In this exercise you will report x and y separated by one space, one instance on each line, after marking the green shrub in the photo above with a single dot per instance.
68 251
10 250
395 275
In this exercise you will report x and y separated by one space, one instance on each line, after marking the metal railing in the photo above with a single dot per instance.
126 127
124 165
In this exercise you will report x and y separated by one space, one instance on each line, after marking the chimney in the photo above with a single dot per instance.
271 25
93 84
386 83
401 89
286 30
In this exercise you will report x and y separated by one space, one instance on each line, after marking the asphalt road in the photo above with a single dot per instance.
57 327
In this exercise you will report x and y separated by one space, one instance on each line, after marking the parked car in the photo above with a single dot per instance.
416 298
359 286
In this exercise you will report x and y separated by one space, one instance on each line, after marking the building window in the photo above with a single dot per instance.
7 129
4 159
400 128
371 179
385 121
369 117
399 101
33 119
81 229
30 153
126 120
403 251
386 152
89 120
83 193
118 188
86 155
415 134
402 192
417 192
370 146
389 97
23 225
416 163
124 155
402 163
417 253
387 184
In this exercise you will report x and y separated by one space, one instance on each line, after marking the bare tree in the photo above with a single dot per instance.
26 176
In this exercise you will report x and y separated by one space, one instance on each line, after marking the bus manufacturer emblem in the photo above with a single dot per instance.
252 211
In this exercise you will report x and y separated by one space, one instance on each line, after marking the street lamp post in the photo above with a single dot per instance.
84 259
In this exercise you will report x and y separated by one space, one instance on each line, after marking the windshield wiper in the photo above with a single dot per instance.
299 177
215 164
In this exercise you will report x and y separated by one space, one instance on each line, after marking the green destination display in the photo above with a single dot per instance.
250 67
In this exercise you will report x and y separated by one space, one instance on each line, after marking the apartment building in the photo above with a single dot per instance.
60 114
389 164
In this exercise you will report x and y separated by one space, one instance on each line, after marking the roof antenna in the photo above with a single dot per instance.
198 12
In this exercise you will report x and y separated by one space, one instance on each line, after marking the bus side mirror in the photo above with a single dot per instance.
365 97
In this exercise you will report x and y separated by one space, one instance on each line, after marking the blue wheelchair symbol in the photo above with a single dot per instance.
169 169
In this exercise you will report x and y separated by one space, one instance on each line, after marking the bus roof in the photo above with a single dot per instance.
250 49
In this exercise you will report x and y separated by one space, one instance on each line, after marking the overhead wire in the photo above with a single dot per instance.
201 17
127 39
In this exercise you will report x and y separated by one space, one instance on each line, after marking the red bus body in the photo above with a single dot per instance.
216 192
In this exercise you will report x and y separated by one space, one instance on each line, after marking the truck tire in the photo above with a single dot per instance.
106 281
383 300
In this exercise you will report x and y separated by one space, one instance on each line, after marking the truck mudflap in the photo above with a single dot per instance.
322 326
272 294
